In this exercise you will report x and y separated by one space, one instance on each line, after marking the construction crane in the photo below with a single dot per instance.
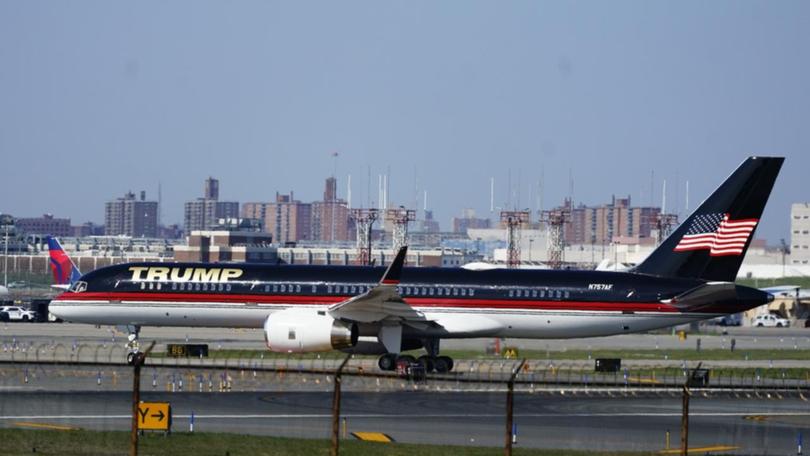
363 221
513 221
400 218
555 220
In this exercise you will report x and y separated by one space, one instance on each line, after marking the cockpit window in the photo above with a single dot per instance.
78 287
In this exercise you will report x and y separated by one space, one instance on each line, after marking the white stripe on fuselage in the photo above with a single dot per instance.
518 323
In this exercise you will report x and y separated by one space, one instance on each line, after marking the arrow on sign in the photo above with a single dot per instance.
158 415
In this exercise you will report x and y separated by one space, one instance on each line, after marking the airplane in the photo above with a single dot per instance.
64 270
388 311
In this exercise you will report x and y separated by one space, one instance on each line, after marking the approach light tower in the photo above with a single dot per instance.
400 218
514 221
664 224
555 220
363 221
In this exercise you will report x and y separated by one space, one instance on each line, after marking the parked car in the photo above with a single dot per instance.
16 313
770 320
729 320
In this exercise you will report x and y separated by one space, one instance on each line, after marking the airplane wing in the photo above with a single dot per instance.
380 303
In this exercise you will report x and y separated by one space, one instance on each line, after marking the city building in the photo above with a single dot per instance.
204 213
287 219
45 225
87 229
468 220
330 217
800 233
227 246
616 221
129 216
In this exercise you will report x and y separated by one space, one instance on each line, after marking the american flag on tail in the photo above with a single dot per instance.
718 234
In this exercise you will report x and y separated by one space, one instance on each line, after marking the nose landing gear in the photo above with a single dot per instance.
133 346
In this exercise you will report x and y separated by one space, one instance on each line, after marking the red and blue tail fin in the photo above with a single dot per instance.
64 270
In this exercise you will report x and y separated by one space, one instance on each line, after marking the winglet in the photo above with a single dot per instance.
391 276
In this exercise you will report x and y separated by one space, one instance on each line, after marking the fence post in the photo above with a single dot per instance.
510 393
336 408
137 363
685 412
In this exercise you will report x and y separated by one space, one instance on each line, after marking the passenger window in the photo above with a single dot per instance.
455 291
291 334
314 289
472 292
534 293
174 286
430 291
424 291
511 293
228 287
463 292
298 288
567 294
354 290
284 288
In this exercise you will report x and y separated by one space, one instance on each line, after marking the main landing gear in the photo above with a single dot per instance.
438 364
431 362
133 346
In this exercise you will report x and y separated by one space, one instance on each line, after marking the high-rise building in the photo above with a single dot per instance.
330 217
204 213
211 189
800 233
129 216
613 222
287 219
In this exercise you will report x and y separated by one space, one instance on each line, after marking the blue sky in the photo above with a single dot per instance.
97 98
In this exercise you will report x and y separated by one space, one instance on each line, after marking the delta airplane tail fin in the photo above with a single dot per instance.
64 270
711 243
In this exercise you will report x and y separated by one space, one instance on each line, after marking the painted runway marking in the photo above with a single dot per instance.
56 427
705 449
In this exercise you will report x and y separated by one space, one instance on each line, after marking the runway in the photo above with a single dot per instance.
756 426
228 338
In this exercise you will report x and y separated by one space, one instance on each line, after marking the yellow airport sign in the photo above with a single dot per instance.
154 416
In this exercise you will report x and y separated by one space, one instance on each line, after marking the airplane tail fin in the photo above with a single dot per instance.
711 243
64 270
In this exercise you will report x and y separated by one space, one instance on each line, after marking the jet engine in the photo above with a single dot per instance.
307 330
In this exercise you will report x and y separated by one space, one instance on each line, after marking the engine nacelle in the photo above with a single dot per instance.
307 330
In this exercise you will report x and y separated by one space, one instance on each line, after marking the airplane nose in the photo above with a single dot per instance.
770 297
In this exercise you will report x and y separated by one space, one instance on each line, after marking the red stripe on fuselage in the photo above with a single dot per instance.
465 303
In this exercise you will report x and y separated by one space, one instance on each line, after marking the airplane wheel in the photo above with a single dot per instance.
426 362
445 362
407 359
130 358
387 362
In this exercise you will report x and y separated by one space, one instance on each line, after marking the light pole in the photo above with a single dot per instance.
5 220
